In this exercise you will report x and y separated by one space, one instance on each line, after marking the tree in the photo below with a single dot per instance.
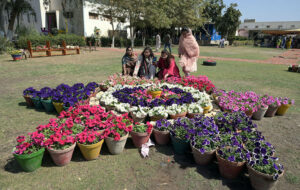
15 9
229 22
111 10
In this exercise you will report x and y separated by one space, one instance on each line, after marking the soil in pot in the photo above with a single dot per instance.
161 137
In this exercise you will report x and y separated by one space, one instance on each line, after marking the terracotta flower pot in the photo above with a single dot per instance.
192 115
116 147
59 106
178 115
229 170
261 181
161 137
180 146
155 118
271 111
28 101
155 94
91 152
203 159
249 113
109 108
206 109
283 109
62 157
139 138
30 162
137 119
259 114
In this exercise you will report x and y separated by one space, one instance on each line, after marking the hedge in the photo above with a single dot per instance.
243 43
119 42
40 40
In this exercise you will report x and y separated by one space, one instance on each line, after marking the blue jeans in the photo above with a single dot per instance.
169 46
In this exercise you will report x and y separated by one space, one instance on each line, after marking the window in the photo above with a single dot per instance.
268 26
246 27
93 16
279 26
256 26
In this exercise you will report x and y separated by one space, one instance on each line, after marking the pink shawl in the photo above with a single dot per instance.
189 51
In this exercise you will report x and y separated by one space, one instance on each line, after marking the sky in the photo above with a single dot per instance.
268 10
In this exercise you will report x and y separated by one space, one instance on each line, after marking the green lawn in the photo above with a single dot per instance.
242 52
129 170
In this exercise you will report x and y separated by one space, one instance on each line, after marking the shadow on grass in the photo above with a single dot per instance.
38 110
12 166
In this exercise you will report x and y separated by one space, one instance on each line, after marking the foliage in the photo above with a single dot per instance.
142 128
5 45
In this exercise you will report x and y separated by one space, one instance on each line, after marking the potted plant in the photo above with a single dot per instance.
286 103
264 171
90 144
140 134
207 106
27 94
158 113
122 108
16 54
57 100
46 99
231 160
154 91
176 111
260 146
194 109
117 135
61 147
36 99
139 113
29 153
273 104
204 148
161 131
179 135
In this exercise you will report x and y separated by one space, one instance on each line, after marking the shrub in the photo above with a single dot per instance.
5 45
243 43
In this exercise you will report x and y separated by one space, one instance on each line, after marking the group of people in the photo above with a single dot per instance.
145 64
284 42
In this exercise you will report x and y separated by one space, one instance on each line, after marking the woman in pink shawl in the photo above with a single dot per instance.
188 51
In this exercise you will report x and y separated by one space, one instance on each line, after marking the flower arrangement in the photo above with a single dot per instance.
46 93
33 144
205 143
176 109
143 128
89 137
60 141
154 88
260 146
203 126
158 111
195 108
180 128
140 112
232 153
286 101
120 127
28 91
162 125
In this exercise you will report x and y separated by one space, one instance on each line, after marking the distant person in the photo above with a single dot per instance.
128 62
283 43
188 51
278 42
167 66
168 42
222 43
289 43
145 66
158 41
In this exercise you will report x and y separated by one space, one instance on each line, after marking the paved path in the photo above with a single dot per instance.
287 58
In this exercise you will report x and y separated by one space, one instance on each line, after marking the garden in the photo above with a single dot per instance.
205 132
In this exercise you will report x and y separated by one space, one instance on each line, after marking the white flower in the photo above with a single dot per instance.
176 109
139 111
122 107
158 111
195 108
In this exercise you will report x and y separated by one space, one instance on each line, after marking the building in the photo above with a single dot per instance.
78 18
250 28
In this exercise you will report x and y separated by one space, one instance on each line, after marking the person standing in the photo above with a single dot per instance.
145 66
278 42
188 51
158 42
168 42
289 43
283 43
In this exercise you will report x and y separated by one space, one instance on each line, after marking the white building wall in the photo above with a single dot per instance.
289 25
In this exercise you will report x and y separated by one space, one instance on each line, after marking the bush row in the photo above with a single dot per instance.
40 40
243 43
119 42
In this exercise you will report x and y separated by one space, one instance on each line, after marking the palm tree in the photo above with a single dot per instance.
16 8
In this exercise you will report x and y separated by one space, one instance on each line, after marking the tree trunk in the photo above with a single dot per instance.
132 36
144 40
2 22
11 24
113 41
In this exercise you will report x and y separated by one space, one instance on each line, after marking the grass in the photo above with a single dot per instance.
162 170
242 52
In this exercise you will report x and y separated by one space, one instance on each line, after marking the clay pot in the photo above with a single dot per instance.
259 114
109 108
139 138
249 113
261 181
91 151
203 159
28 100
179 115
283 109
229 170
161 137
192 115
271 111
116 147
62 157
137 119
155 118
